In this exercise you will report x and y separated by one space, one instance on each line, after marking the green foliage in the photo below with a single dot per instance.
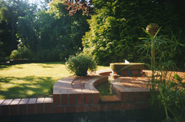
171 97
5 40
26 31
83 120
48 32
59 35
48 55
113 34
80 64
168 49
2 57
105 88
114 30
2 54
170 101
14 54
10 11
44 54
21 53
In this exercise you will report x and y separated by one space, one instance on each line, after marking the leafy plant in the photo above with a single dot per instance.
116 26
83 120
80 64
21 53
169 101
104 88
172 95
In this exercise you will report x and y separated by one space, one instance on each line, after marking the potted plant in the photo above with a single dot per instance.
80 64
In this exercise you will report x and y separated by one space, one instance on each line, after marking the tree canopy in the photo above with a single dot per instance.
49 33
117 24
108 29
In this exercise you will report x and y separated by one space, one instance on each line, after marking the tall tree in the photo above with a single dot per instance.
115 29
26 27
9 13
58 30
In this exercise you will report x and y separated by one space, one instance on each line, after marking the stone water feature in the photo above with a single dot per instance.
126 69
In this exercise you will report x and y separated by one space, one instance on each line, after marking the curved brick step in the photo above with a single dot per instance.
77 90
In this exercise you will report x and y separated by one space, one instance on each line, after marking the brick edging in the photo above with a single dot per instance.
67 99
131 95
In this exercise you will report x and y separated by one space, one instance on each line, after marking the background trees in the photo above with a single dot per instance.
115 29
60 32
110 34
45 30
9 13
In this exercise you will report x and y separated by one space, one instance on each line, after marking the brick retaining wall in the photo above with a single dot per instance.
75 94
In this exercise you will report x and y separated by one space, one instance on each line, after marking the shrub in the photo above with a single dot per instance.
21 53
14 54
170 100
80 64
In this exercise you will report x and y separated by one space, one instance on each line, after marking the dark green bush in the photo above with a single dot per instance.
21 53
14 55
80 64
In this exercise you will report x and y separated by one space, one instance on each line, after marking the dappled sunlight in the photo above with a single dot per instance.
45 90
31 80
29 92
30 86
56 70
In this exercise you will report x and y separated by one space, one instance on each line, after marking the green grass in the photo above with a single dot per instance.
31 80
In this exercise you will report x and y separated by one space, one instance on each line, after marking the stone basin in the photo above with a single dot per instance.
124 69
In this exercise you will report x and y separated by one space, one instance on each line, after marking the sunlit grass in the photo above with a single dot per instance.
31 80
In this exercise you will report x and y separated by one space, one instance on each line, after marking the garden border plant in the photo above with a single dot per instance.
169 101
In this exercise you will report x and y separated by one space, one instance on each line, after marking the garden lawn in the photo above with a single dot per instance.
32 79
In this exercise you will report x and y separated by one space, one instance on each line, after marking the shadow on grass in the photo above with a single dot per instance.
47 66
18 67
52 63
5 66
60 62
26 87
